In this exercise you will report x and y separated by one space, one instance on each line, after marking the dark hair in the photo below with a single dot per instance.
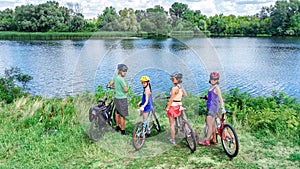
122 67
149 86
178 77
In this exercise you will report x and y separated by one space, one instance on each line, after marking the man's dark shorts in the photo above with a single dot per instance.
122 106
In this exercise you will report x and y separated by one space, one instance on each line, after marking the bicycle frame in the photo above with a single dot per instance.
220 130
146 123
228 137
180 119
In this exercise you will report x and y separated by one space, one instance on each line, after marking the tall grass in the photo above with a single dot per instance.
64 35
51 133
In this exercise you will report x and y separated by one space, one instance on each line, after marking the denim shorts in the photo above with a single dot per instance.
211 113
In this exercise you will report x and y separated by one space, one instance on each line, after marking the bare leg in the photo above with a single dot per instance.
117 117
214 132
122 123
172 127
209 123
145 116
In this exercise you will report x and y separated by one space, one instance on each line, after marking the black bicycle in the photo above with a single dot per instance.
182 126
101 115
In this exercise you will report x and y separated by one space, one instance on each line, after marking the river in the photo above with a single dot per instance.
66 67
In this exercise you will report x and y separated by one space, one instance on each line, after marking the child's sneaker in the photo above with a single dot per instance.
117 129
213 142
204 143
172 141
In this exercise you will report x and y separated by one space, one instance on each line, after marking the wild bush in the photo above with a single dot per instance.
277 114
13 84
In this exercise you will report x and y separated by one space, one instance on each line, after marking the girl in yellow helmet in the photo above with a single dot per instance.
146 104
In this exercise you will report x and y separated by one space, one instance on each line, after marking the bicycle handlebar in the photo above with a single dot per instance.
204 97
109 87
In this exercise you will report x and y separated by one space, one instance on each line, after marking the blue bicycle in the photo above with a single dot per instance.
142 129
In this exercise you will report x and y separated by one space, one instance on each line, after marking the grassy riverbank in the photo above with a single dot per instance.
7 35
63 35
51 133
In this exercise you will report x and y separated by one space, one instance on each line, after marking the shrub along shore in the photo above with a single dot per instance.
38 132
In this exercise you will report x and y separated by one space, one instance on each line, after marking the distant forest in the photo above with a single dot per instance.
282 19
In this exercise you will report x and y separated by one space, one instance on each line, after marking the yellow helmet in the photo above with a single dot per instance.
145 79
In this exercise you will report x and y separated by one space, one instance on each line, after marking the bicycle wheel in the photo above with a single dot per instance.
138 136
155 122
230 141
189 136
95 132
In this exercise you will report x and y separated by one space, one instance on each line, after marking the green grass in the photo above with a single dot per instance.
52 133
4 35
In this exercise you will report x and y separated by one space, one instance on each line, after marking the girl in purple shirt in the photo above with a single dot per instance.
213 99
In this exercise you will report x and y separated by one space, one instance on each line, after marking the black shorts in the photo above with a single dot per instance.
121 106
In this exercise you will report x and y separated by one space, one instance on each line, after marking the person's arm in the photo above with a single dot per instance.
111 83
174 91
125 88
183 92
218 92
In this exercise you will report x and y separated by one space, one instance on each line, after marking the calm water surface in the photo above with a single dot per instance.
60 68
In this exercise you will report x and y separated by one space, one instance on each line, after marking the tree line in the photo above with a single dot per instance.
282 19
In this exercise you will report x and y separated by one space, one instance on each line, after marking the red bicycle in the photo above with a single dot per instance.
227 134
229 138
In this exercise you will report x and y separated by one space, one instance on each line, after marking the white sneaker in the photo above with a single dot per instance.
172 141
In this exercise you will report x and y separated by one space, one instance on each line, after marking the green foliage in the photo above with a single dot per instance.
77 23
282 19
10 87
277 114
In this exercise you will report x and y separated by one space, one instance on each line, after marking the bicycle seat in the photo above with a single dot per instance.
182 108
102 101
227 112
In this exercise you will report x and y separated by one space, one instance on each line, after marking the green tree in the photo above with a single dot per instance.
140 15
105 21
77 23
127 20
26 18
295 23
176 11
6 20
279 18
217 24
156 21
42 18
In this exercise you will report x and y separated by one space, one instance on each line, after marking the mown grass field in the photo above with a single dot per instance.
52 133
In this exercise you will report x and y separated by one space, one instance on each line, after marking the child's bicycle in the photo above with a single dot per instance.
182 126
142 129
229 138
100 115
